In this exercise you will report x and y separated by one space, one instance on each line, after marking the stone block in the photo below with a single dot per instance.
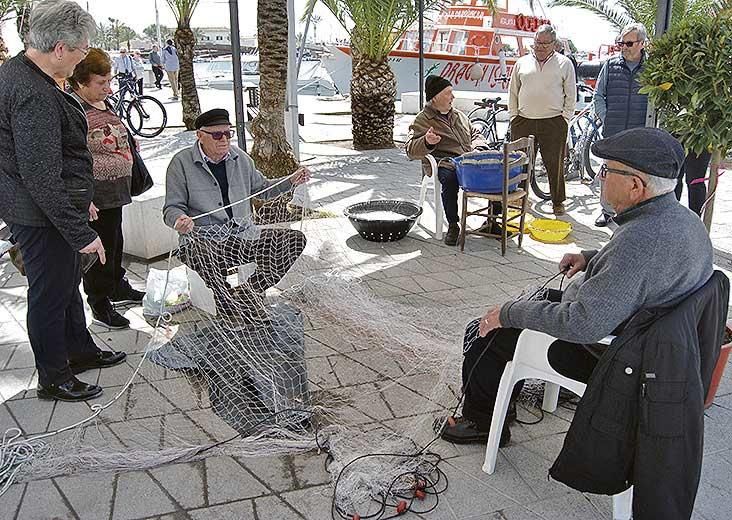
227 480
44 502
145 234
138 496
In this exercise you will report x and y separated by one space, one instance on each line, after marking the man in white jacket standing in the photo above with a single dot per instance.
542 96
171 64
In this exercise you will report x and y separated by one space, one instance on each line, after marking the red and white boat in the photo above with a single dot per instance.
464 35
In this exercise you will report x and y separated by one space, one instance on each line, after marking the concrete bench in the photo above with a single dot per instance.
145 234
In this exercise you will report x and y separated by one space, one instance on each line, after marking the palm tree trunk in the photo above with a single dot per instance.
373 91
3 51
22 22
185 41
271 151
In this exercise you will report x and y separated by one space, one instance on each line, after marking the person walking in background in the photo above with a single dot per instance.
139 66
541 101
171 65
123 64
109 145
157 65
616 101
46 187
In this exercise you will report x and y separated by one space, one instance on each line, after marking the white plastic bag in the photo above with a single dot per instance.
166 298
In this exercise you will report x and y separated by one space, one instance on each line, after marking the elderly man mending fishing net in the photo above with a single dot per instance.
653 286
208 187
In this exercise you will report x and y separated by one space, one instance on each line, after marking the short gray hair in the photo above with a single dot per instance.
53 21
659 185
637 27
546 28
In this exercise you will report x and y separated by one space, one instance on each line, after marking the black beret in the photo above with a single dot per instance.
433 85
213 117
650 150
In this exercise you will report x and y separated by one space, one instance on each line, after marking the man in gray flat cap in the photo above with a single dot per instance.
660 253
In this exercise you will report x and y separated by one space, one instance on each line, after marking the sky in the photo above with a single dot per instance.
586 30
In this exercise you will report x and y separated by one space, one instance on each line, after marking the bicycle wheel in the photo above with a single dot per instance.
590 162
540 180
146 116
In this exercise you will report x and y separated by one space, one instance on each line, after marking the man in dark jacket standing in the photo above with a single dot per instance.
157 65
632 272
46 188
617 101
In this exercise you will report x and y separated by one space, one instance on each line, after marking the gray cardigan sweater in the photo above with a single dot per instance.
660 253
45 166
191 189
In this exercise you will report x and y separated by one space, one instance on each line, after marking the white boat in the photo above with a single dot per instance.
464 34
312 79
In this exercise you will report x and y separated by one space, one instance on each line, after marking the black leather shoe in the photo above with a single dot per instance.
107 317
72 390
453 232
102 359
603 220
127 295
460 430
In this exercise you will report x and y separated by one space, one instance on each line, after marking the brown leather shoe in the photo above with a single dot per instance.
558 209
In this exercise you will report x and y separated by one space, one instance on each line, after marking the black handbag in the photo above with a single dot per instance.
141 179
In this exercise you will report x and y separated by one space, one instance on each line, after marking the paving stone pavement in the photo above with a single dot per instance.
416 269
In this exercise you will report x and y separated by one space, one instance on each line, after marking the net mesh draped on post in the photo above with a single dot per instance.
286 348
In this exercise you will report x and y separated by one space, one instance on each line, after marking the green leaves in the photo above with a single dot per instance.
183 11
622 12
696 57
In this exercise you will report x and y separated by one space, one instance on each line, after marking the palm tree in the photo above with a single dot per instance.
127 33
185 42
315 20
374 27
271 151
622 12
18 9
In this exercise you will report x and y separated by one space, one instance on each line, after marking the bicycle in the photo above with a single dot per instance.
145 115
486 124
583 130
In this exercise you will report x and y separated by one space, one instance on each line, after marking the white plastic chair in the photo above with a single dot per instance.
530 361
439 213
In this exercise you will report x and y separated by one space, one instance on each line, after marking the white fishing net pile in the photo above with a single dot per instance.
251 370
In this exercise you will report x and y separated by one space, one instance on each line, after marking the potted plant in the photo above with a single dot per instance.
688 81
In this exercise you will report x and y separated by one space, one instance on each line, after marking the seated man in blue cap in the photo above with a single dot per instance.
208 188
660 253
444 132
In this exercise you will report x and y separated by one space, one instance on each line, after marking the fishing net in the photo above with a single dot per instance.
291 341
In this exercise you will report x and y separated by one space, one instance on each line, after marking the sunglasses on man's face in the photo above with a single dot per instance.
627 44
220 135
